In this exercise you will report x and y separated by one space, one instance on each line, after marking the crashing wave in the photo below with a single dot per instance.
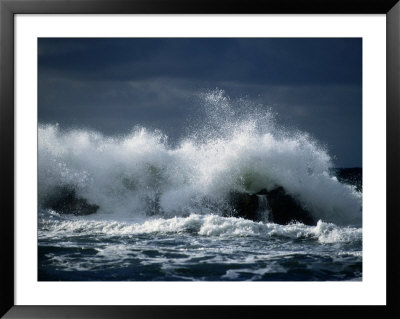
235 150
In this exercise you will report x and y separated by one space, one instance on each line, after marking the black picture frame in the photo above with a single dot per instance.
9 8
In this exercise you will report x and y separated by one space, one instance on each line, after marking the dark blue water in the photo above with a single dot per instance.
195 248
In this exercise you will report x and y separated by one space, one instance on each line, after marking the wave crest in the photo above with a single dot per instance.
234 150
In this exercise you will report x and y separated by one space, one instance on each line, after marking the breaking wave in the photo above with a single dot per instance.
238 147
202 225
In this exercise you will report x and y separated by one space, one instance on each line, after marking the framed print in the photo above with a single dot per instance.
176 159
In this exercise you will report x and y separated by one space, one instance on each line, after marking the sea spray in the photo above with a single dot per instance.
237 147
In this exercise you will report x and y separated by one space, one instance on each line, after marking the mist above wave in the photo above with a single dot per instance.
230 149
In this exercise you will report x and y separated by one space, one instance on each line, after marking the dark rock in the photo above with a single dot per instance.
244 205
65 201
283 208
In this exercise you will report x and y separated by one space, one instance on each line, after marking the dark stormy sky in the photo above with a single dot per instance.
111 85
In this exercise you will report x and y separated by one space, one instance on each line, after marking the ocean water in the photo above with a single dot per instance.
163 211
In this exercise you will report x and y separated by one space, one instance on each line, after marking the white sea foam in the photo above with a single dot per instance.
202 225
232 150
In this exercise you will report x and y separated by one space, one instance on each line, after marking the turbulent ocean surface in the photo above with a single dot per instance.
146 209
